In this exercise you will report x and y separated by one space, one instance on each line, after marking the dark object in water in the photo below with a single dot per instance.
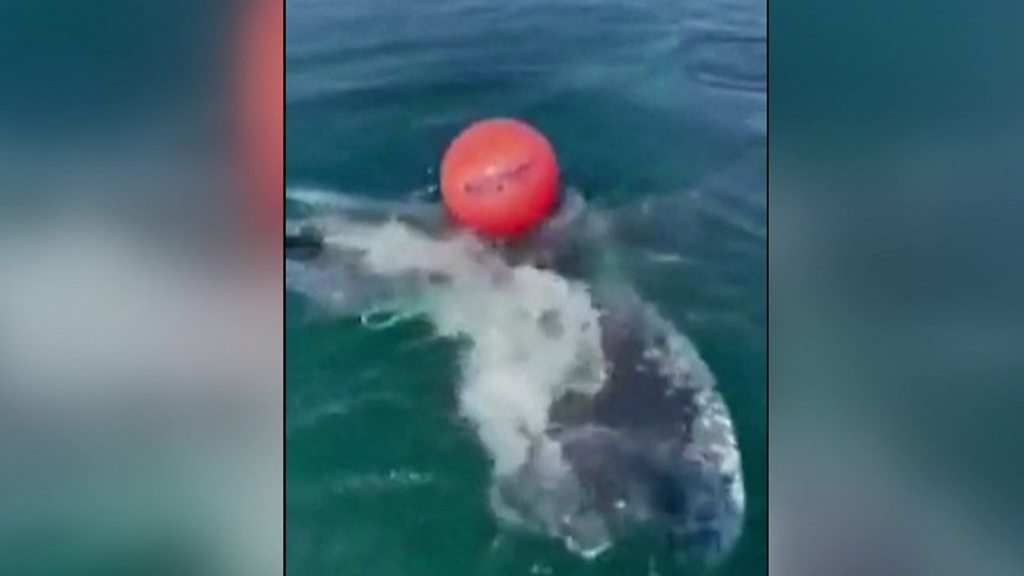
653 450
305 244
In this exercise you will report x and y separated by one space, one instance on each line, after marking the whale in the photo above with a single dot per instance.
649 450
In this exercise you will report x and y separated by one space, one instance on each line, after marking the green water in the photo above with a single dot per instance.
657 109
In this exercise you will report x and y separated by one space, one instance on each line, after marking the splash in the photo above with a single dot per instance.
516 363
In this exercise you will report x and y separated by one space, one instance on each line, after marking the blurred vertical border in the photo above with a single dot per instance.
141 287
895 288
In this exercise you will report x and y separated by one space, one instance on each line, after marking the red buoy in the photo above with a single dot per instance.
500 178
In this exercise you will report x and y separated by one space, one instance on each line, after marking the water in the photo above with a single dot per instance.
657 110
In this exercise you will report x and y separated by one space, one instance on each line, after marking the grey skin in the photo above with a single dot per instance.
653 451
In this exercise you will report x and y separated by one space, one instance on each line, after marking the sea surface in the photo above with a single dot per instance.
658 112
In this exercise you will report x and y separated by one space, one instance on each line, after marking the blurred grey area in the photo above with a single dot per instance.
896 284
140 343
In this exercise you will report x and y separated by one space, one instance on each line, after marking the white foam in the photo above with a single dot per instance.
513 369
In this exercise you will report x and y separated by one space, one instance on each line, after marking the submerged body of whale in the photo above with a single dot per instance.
654 449
648 447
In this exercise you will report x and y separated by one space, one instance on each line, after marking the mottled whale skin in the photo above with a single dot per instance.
653 451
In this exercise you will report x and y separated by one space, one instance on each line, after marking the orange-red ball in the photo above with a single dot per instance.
500 178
